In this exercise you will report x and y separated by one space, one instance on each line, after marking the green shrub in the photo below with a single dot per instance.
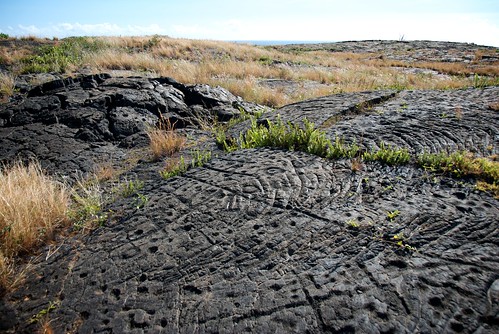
129 188
59 57
339 150
288 136
391 156
199 158
461 164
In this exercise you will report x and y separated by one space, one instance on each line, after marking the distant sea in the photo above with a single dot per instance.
280 42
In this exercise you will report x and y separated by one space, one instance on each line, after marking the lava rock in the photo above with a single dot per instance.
264 240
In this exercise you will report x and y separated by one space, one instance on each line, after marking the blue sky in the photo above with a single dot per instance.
474 21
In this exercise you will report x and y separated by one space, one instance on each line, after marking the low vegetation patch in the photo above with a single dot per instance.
175 167
391 156
60 57
32 207
6 86
464 164
87 202
288 136
164 140
309 139
306 138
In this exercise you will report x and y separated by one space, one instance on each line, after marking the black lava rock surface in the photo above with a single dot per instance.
72 124
265 240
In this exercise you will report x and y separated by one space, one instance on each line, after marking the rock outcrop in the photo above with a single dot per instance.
73 124
265 240
409 51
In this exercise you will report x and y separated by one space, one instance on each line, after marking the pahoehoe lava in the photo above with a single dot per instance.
258 240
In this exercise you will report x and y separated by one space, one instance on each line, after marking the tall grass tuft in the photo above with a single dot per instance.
7 84
164 141
32 206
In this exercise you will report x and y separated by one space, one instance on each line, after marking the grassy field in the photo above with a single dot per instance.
264 75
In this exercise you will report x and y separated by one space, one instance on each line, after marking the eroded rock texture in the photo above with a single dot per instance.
271 241
73 124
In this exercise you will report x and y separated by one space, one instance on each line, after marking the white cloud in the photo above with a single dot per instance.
29 29
77 29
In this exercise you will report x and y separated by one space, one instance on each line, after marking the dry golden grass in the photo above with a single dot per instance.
250 90
111 59
240 68
9 56
32 38
45 326
104 172
164 141
7 82
356 164
452 68
32 206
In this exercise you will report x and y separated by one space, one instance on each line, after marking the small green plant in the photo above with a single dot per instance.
4 35
129 188
400 240
87 208
391 215
227 144
265 60
492 188
388 188
352 223
339 149
199 158
179 167
153 42
403 107
174 168
141 201
388 155
220 129
484 81
288 136
478 81
44 312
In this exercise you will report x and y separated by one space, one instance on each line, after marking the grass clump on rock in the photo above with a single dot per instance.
464 164
288 136
306 138
391 156
164 141
32 207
